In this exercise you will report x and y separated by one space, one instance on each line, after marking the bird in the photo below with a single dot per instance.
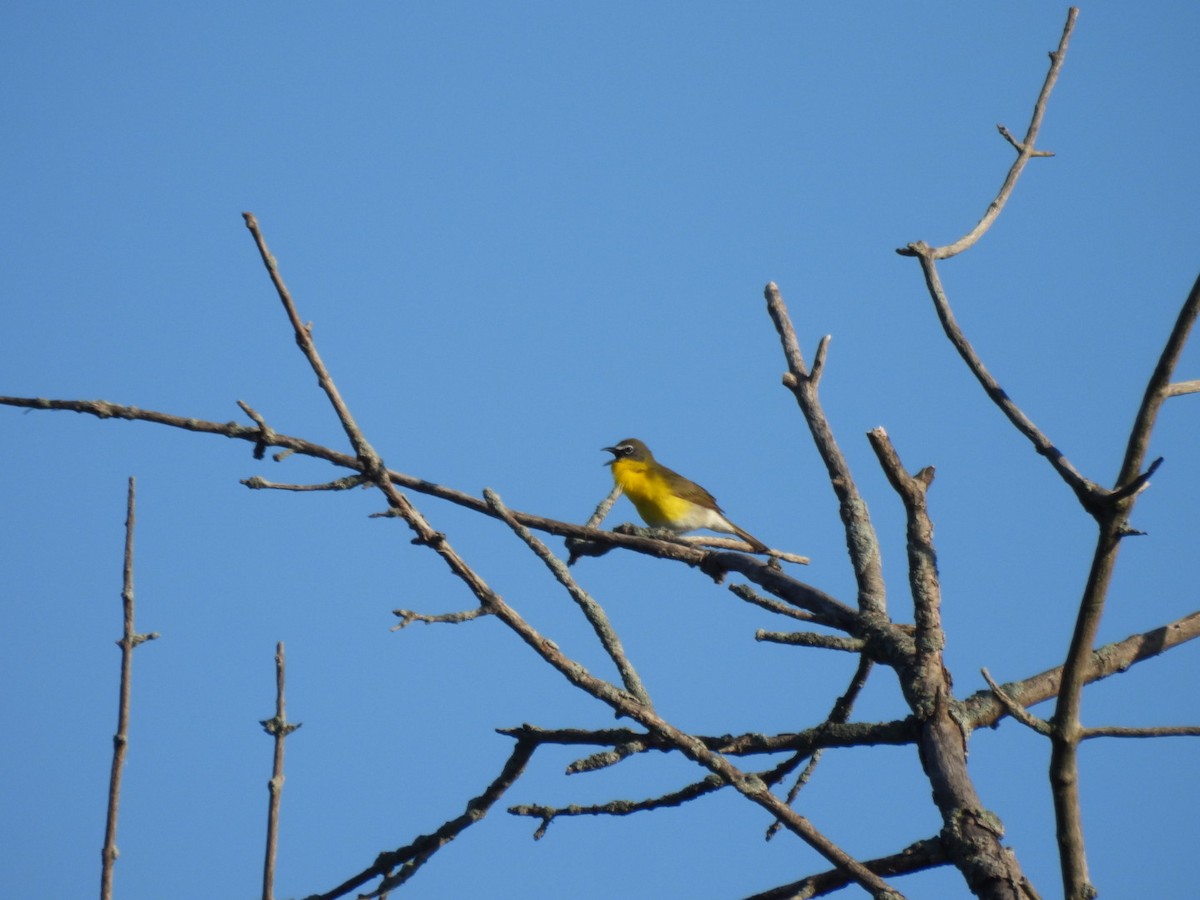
664 498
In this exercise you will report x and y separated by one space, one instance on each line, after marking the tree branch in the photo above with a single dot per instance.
971 833
591 610
861 540
1114 525
279 728
1025 152
927 854
411 857
129 640
984 710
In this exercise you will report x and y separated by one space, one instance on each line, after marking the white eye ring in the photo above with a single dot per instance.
625 449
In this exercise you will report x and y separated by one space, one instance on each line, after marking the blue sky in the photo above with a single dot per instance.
524 232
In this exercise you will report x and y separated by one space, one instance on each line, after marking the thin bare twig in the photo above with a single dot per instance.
1114 525
837 716
129 640
408 616
1015 709
984 710
972 834
1025 152
679 550
748 594
1179 388
278 727
927 854
1089 494
591 610
412 856
811 639
896 733
861 540
548 814
338 484
1156 731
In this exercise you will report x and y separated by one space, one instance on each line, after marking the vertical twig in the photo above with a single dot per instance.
1114 525
129 640
862 543
279 728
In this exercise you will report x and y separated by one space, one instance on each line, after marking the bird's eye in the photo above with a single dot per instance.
625 449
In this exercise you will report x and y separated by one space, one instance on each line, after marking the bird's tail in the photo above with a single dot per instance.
755 544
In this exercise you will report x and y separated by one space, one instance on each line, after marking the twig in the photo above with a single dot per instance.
591 610
922 558
1158 388
748 594
927 854
1015 709
897 733
548 814
1179 388
1152 732
1025 151
256 483
408 616
411 857
266 431
972 833
678 551
811 639
129 640
1114 525
984 710
1089 494
861 540
279 728
837 716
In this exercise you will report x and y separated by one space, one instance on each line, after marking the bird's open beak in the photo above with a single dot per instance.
613 451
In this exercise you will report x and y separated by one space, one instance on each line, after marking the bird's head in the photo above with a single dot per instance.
630 448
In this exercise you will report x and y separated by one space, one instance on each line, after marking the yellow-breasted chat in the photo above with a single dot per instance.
664 498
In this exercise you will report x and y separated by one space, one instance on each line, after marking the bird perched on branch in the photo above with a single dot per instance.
665 499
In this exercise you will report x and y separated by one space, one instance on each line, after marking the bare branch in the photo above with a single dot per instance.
828 734
984 709
129 639
548 814
1090 495
592 610
811 639
411 857
837 716
1114 525
861 540
1015 709
341 484
971 833
408 616
686 550
748 594
1179 388
279 728
922 558
1025 152
927 854
1153 732
1159 388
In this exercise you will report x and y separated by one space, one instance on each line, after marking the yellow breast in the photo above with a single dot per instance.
651 493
